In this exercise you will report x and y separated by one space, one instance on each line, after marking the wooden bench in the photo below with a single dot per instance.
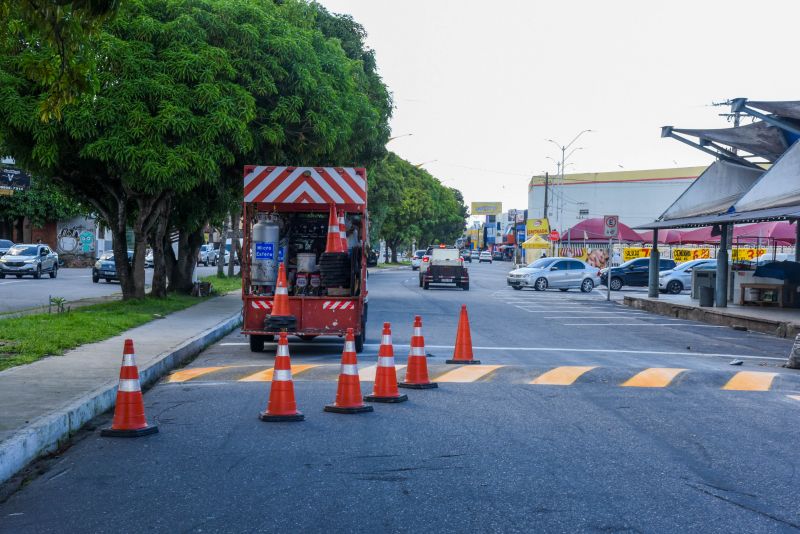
777 288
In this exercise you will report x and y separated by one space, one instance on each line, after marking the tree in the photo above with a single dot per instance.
41 203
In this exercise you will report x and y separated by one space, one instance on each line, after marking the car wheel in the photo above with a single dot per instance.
54 272
517 288
587 286
19 276
541 284
108 280
465 286
425 285
38 273
256 343
2 276
95 279
564 289
674 287
420 281
616 284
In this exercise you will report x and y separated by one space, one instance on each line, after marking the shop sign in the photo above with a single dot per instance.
681 255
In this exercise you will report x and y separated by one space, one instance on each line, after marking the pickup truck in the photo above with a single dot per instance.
445 266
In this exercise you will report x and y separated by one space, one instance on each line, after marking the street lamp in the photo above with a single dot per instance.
564 156
419 165
398 137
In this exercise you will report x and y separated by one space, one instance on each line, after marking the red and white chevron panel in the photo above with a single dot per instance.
339 305
305 185
261 304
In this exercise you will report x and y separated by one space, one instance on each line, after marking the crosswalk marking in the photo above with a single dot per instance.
794 397
654 377
188 374
367 374
266 374
750 381
467 373
561 376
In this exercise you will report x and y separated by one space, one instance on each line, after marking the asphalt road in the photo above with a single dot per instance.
71 284
486 451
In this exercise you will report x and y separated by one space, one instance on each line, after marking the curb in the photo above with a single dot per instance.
715 316
49 432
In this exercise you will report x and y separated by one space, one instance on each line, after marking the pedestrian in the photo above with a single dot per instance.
544 255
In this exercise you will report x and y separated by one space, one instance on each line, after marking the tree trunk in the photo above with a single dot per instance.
393 245
183 267
234 234
119 245
221 254
159 284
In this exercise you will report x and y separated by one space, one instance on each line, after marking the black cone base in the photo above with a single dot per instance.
341 409
464 362
429 385
264 416
114 433
374 398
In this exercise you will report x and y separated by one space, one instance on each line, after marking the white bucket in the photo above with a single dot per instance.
306 262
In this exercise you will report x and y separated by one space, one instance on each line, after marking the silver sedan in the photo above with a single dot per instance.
556 273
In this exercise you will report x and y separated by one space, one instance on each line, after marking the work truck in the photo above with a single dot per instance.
286 214
444 266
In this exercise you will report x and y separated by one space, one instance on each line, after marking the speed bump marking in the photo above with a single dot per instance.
367 374
654 377
750 381
189 374
468 373
562 376
266 375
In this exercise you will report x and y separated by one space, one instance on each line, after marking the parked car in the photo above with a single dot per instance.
556 273
149 263
676 280
105 267
485 256
29 260
497 254
5 244
633 272
466 254
372 258
207 255
416 259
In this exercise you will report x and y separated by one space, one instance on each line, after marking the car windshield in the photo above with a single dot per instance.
4 243
22 250
541 263
419 253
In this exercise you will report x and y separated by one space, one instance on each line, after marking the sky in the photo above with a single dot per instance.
481 86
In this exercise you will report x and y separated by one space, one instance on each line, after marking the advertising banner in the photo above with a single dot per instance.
681 255
631 253
747 254
487 208
13 179
536 226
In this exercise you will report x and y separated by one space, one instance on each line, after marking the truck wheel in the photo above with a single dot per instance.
256 343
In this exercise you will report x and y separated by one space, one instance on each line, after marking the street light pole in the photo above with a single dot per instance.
564 157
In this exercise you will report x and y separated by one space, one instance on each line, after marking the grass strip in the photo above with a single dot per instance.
223 284
29 338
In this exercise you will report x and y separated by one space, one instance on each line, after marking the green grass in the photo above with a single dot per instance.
26 339
390 265
224 284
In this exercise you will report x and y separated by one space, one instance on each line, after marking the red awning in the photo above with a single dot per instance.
592 230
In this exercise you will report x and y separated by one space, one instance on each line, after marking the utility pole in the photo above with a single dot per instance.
546 192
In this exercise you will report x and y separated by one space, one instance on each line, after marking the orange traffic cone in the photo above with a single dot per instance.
417 370
129 420
281 317
385 389
348 394
282 406
462 353
334 243
343 231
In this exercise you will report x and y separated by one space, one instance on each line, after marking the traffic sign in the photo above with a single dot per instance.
554 235
610 225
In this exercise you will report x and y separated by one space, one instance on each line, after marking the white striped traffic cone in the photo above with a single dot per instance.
129 420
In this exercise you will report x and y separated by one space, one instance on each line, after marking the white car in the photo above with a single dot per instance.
556 273
485 256
416 259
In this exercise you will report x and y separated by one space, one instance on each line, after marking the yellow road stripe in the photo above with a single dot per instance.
467 373
750 381
367 374
561 376
266 375
655 377
188 374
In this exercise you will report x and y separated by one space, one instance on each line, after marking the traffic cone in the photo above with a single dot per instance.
282 406
462 353
129 420
385 389
417 370
343 231
281 317
348 393
334 243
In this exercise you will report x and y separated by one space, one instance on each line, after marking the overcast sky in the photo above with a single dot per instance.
481 85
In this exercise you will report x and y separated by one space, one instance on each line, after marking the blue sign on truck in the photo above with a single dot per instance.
265 251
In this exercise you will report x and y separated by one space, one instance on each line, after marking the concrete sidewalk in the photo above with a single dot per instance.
42 403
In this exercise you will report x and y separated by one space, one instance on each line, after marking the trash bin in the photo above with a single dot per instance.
706 297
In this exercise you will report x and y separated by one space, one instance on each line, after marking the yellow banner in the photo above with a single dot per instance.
635 252
536 226
681 255
487 208
747 254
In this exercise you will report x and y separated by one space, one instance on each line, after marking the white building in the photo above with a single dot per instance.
638 197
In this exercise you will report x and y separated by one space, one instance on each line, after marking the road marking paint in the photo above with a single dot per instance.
750 381
188 374
610 318
654 377
647 324
561 376
367 374
794 397
266 374
467 373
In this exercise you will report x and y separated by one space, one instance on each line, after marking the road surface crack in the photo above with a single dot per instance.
744 506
